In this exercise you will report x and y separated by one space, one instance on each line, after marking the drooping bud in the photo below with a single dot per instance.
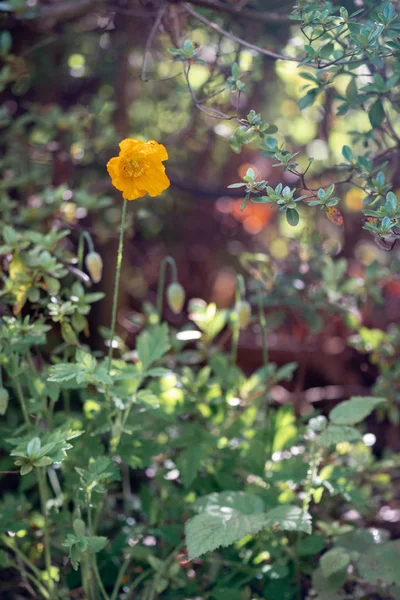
94 265
175 297
4 397
243 311
318 424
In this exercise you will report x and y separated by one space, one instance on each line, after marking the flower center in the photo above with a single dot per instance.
134 167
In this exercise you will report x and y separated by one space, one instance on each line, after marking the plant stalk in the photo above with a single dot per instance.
168 260
116 284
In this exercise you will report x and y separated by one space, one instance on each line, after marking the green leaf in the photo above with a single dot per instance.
224 593
381 563
351 90
25 469
347 153
152 345
327 587
361 539
334 560
376 113
354 410
96 543
289 518
189 463
223 527
310 545
63 372
308 99
243 502
79 527
292 216
33 447
334 434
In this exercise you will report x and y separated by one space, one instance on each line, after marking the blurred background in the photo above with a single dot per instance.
80 75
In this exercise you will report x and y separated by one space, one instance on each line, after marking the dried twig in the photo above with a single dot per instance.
150 39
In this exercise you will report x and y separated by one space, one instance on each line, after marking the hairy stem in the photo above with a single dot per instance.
116 284
41 478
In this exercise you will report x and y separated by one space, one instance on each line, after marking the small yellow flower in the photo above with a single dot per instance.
138 170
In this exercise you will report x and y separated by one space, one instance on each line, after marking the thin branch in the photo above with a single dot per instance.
264 16
234 38
65 11
209 111
150 39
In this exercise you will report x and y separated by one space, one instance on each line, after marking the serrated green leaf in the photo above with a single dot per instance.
335 434
96 543
334 561
354 410
206 532
63 372
152 345
243 502
381 563
289 518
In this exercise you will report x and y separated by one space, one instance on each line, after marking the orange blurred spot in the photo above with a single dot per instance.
255 217
253 225
354 198
243 168
393 286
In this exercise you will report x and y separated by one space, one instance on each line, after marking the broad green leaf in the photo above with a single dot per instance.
334 561
189 463
310 545
381 563
289 518
243 502
224 526
63 372
152 345
360 540
354 410
335 434
328 587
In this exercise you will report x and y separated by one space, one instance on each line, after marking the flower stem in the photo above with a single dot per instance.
263 325
120 575
41 477
32 578
168 260
239 293
18 389
116 284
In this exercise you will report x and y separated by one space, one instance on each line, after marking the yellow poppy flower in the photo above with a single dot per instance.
138 170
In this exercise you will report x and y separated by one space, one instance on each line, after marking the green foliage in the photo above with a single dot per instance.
123 455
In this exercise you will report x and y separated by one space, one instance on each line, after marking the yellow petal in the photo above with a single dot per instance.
154 181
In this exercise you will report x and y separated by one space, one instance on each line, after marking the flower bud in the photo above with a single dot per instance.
4 397
243 311
94 265
175 297
318 424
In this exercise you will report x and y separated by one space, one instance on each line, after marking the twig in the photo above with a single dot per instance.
150 39
264 16
234 38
